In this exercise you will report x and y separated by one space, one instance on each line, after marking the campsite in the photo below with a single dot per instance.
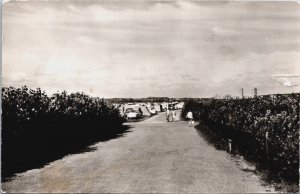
143 110
150 96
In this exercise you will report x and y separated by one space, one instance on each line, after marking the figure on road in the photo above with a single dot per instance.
173 115
167 115
189 116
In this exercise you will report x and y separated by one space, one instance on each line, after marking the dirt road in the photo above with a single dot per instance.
155 157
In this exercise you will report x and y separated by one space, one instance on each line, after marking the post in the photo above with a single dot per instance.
229 145
242 93
267 150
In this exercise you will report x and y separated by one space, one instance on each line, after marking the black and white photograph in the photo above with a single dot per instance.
150 96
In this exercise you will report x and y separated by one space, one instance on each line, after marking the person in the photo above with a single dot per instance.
189 116
168 114
173 115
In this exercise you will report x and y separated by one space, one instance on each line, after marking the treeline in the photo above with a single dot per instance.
148 99
263 129
37 128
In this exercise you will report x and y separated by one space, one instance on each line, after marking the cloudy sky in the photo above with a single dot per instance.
151 48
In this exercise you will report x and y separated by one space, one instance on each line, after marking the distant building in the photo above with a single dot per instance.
242 92
255 92
223 96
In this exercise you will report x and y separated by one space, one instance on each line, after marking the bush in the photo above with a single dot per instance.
246 122
194 106
37 129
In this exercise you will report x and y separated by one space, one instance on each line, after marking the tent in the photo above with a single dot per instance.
179 105
157 107
145 110
164 106
133 106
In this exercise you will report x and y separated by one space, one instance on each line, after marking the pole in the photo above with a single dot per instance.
267 150
242 93
229 145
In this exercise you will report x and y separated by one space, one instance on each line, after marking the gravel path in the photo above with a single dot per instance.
156 157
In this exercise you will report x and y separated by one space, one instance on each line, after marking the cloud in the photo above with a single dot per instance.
5 1
147 48
223 31
287 80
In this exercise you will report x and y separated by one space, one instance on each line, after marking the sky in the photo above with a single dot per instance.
152 48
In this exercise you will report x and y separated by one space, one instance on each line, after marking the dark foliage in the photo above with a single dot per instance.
194 106
37 129
247 121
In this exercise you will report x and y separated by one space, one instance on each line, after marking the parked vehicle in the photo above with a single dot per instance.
131 113
152 111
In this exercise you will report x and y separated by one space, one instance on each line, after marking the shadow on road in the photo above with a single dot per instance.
218 139
211 136
37 149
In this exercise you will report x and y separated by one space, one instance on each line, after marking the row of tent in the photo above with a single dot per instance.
147 109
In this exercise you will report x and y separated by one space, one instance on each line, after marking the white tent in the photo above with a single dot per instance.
133 106
164 105
145 111
157 107
179 105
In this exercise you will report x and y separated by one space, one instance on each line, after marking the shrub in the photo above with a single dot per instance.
37 128
246 122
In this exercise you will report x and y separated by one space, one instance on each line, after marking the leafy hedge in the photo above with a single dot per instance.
246 121
37 128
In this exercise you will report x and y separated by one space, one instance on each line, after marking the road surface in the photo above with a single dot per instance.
155 157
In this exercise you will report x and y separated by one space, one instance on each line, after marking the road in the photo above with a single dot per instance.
155 157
